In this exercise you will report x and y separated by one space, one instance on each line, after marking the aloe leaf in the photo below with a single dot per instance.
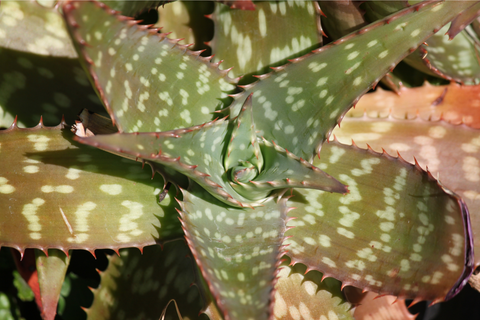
243 145
146 81
302 293
51 271
463 20
452 103
133 8
236 249
446 57
341 17
402 235
196 152
137 285
33 85
317 85
260 42
27 26
115 200
450 152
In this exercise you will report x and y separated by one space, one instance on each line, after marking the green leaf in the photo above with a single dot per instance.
55 193
146 81
303 101
236 249
342 18
51 271
251 40
30 27
397 232
137 285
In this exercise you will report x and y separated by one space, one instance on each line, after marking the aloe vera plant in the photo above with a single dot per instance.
249 198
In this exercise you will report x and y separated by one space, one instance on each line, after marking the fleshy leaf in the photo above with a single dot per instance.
397 232
303 294
237 250
463 20
28 26
260 42
285 170
317 82
450 152
243 146
53 195
51 271
196 152
146 81
137 285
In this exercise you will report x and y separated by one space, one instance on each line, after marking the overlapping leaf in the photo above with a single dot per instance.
236 249
251 40
451 152
78 197
27 26
146 81
313 88
397 232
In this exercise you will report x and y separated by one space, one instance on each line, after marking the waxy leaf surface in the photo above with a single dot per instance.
315 86
450 152
55 193
237 250
397 232
146 81
251 40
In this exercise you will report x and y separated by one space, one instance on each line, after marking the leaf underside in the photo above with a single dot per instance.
388 234
78 197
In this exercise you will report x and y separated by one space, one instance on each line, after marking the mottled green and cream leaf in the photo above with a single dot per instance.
308 97
237 250
397 232
146 81
55 193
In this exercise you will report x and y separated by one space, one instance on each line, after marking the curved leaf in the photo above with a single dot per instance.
397 232
55 193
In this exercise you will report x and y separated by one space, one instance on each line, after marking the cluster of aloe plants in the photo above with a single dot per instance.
230 182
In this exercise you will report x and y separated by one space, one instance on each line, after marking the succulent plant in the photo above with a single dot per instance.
249 197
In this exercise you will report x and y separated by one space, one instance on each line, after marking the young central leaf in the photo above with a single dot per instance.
244 157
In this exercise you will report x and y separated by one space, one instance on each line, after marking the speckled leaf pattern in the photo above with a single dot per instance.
453 59
283 170
196 152
451 152
51 271
302 295
313 88
141 286
258 42
78 197
237 251
33 85
28 26
146 81
452 103
397 232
